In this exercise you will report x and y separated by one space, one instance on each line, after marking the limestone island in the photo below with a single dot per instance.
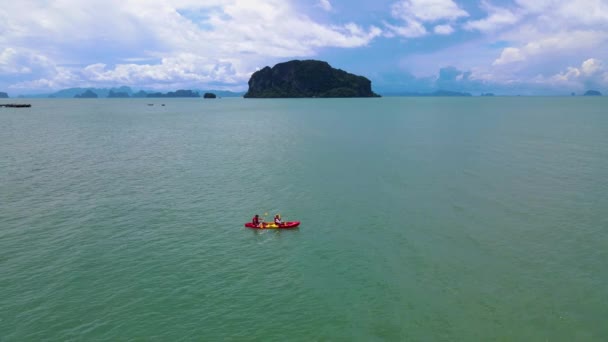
307 78
3 95
177 93
592 93
209 96
89 94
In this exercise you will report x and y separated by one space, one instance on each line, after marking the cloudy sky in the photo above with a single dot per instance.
506 47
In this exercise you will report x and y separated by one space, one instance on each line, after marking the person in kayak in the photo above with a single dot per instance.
256 220
277 220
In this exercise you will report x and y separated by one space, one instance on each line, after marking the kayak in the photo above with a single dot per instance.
272 225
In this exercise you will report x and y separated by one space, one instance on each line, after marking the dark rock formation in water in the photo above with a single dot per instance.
209 96
15 105
592 93
3 95
308 78
89 94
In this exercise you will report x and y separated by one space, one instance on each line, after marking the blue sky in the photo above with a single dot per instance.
507 47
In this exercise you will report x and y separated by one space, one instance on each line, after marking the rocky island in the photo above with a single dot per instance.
118 95
3 95
592 93
307 78
177 93
89 94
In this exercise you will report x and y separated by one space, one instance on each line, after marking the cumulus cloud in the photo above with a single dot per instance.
325 5
410 29
413 14
427 10
509 55
179 41
538 41
183 68
591 74
497 18
552 45
525 47
13 61
586 12
443 29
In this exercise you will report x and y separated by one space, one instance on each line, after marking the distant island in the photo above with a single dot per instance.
3 95
592 93
86 95
113 95
178 93
124 92
487 94
209 96
307 78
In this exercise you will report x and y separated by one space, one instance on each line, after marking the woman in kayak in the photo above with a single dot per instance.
277 220
256 220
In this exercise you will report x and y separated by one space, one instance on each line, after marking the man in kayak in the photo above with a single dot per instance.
277 220
256 220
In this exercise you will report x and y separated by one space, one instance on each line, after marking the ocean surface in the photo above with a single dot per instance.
423 219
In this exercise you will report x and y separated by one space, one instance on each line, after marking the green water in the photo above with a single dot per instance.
460 219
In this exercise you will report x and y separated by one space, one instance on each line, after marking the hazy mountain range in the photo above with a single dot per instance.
124 91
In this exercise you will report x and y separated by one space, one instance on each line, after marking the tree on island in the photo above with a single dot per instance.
209 96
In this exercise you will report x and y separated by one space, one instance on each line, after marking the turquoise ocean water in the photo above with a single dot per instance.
460 219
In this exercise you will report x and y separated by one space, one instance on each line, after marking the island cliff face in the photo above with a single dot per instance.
308 78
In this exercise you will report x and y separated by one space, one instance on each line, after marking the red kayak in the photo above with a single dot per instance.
272 225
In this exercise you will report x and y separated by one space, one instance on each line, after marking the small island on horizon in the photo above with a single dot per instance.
307 78
592 93
289 80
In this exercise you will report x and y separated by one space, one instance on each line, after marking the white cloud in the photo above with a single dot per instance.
325 5
530 44
592 66
587 12
427 10
510 55
553 45
411 29
544 36
414 13
589 75
497 18
183 68
234 36
444 29
22 62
